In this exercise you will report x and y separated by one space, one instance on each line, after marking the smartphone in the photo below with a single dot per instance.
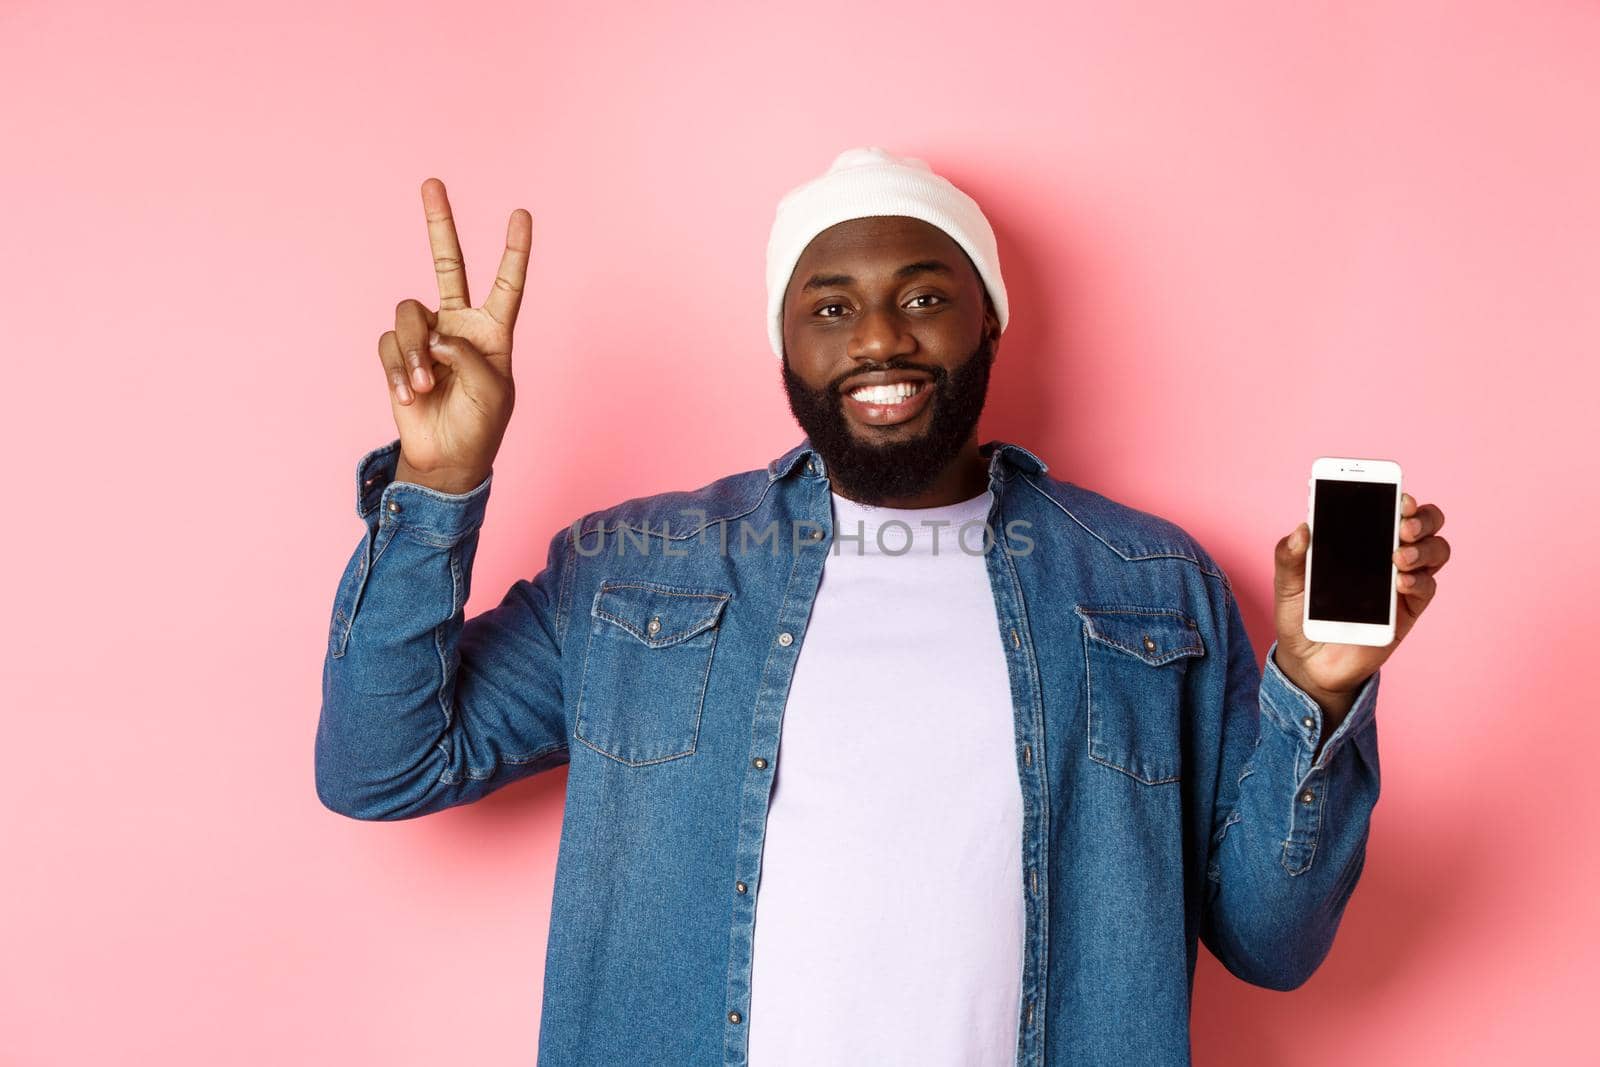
1354 512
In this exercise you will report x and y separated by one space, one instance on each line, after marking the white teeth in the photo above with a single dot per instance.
886 394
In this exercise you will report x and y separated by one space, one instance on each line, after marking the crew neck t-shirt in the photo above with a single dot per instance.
889 915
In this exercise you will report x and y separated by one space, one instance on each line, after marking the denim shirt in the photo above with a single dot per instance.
1172 790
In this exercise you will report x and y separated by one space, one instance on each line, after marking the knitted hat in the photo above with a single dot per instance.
870 181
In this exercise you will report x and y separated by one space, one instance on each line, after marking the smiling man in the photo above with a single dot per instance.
897 750
888 394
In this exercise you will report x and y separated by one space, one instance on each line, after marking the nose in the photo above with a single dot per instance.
880 335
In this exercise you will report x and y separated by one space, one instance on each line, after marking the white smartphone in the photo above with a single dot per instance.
1354 512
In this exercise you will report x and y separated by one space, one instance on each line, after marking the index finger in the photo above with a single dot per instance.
447 264
505 298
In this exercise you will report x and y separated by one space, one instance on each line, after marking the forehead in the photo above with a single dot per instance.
888 240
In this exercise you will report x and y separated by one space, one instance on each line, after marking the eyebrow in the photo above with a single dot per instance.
921 266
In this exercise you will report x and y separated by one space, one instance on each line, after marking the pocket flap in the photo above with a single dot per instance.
1155 635
656 614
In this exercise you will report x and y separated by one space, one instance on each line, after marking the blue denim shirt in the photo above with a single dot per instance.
1170 793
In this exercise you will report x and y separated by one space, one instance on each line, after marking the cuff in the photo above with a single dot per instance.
1297 712
1298 720
437 518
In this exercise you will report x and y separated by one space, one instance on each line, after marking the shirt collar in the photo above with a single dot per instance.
1003 457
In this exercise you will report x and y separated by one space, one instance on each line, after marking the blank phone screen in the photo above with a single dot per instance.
1352 542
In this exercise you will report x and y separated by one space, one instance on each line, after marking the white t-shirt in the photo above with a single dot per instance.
889 920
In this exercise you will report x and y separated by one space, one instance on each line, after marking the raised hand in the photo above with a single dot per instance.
449 371
1331 673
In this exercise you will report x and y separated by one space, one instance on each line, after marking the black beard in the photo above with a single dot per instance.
872 473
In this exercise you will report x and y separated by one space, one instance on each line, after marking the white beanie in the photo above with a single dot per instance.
870 181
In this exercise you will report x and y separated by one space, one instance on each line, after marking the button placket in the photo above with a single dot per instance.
1304 823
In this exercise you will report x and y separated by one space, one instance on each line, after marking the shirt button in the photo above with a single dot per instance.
759 763
1308 722
393 506
734 1017
1149 644
654 625
786 638
816 535
369 481
740 886
1308 796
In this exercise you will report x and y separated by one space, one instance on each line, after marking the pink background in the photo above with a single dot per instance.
1236 236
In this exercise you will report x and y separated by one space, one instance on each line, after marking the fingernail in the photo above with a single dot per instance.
401 389
419 376
433 338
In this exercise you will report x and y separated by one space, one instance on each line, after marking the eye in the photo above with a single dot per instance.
928 296
825 307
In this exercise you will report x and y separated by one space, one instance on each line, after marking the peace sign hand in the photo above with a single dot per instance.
449 372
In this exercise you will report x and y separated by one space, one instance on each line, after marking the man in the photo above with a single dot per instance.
898 750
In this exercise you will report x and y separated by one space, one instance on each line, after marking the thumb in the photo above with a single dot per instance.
482 385
1290 578
463 357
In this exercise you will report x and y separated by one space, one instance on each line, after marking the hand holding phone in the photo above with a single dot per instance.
1341 612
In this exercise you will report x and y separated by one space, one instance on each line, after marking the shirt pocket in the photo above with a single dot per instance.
645 671
1135 660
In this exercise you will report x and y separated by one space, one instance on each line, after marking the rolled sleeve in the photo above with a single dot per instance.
1289 823
1297 719
1297 712
422 708
436 518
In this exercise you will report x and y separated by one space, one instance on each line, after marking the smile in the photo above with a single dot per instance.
886 405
